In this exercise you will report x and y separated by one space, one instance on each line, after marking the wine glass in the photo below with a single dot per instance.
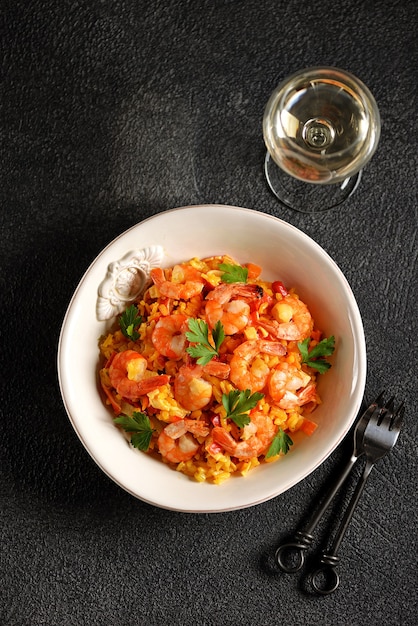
321 126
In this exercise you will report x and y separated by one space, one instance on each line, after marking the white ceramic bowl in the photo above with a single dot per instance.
285 254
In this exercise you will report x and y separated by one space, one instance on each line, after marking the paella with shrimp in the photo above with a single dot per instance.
213 369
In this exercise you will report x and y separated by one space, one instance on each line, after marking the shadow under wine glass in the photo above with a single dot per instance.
321 126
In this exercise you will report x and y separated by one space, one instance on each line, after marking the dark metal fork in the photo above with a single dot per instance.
290 556
379 438
375 435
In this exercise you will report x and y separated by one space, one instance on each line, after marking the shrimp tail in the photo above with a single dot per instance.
247 291
157 276
226 291
217 369
224 439
153 382
133 390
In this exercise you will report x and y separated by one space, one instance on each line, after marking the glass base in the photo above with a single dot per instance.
307 197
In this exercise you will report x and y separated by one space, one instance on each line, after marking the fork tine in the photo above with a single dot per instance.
379 399
398 417
390 404
377 405
386 419
365 416
375 416
385 410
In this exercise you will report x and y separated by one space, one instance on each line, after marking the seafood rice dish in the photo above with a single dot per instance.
213 368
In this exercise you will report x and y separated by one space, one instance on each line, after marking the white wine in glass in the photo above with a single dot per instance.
321 126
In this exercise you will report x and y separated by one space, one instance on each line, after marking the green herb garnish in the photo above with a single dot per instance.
129 321
233 273
237 404
198 334
140 428
314 358
281 443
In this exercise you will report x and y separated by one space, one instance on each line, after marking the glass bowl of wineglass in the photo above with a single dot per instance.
321 126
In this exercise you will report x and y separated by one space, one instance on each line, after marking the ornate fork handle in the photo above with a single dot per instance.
325 579
379 438
290 556
375 435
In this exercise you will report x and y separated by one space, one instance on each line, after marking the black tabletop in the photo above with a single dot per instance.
113 111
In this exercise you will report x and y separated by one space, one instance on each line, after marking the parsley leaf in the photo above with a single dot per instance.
281 443
233 273
237 404
198 333
129 322
140 428
314 358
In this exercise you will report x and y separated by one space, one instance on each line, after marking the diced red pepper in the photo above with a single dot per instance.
255 304
308 426
316 335
278 287
175 418
254 318
254 270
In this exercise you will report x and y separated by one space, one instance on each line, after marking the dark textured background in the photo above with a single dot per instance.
112 111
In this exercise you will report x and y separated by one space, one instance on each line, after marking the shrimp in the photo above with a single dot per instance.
217 369
128 375
292 320
191 390
169 336
255 439
176 442
176 290
291 387
247 372
303 396
226 304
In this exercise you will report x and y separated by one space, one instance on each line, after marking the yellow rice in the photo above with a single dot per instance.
161 406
